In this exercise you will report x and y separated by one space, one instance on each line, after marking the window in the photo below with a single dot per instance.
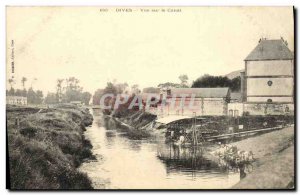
270 83
287 109
230 113
168 92
236 113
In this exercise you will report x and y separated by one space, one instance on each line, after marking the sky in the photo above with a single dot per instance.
144 48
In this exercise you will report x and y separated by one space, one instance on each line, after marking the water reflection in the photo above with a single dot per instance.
188 160
125 163
110 138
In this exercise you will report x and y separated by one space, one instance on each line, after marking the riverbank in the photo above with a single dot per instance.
274 165
137 124
46 145
142 124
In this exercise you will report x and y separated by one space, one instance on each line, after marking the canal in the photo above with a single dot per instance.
124 163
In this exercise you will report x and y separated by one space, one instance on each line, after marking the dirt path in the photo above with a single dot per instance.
274 167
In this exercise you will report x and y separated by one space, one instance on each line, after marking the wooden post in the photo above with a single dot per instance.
195 141
17 122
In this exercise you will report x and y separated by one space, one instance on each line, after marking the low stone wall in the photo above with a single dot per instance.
237 109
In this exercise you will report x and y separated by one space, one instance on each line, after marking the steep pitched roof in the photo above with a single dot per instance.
270 50
202 92
151 90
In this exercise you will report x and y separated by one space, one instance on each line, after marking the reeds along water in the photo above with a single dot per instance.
196 159
186 158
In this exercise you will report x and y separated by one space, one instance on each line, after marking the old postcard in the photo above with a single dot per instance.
150 98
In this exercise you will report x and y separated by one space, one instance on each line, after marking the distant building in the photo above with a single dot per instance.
16 100
269 74
207 101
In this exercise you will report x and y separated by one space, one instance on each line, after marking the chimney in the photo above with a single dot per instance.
243 86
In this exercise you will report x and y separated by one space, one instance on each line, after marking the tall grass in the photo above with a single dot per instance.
46 148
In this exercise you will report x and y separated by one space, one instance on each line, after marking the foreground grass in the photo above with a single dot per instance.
47 146
274 167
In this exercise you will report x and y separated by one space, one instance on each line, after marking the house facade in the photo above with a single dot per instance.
16 100
267 84
196 101
269 75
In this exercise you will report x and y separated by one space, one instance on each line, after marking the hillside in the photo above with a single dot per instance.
234 74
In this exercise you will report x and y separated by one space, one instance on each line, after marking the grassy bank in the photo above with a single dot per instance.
274 165
46 146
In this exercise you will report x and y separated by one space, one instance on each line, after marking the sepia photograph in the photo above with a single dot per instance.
150 98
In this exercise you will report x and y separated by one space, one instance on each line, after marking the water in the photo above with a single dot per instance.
124 163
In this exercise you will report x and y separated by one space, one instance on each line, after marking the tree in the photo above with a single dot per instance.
235 84
183 79
32 82
24 92
135 89
207 81
73 90
168 85
211 81
11 82
11 92
51 98
39 95
121 87
69 92
86 96
24 79
31 96
34 97
19 92
97 96
59 89
73 83
110 88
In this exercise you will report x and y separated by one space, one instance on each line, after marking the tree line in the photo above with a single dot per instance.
67 90
208 81
33 96
205 81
